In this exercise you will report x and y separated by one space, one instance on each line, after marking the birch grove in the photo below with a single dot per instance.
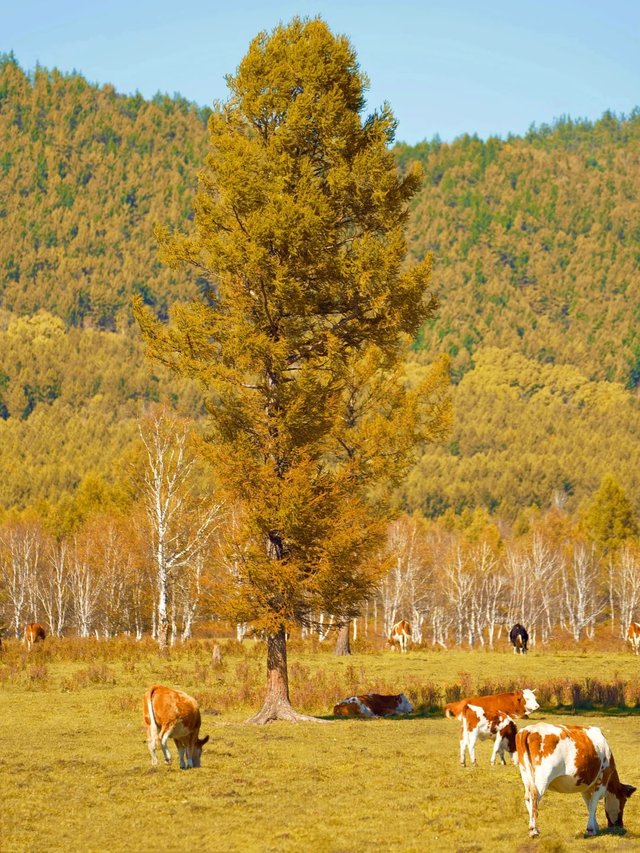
454 590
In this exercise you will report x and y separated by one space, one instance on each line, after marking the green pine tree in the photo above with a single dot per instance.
609 518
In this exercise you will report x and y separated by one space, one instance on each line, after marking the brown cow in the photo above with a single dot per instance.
518 703
33 633
172 714
633 635
400 635
373 705
570 759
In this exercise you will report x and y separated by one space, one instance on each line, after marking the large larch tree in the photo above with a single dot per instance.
300 335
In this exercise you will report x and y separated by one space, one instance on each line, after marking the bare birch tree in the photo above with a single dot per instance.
53 587
20 557
180 523
624 586
581 603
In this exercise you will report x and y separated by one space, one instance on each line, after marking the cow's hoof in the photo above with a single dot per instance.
534 833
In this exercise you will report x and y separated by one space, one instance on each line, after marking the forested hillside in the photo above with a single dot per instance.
537 264
536 245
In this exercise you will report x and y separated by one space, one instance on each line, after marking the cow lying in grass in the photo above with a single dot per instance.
570 759
373 705
172 714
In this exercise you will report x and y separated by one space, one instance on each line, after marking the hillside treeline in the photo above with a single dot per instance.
536 254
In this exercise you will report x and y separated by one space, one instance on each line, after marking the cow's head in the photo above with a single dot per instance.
614 803
530 702
196 751
404 706
508 732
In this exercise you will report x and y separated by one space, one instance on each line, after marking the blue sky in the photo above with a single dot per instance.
491 67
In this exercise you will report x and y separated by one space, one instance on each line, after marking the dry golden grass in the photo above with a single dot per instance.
76 773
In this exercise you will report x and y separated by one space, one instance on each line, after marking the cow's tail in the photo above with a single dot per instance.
153 726
454 709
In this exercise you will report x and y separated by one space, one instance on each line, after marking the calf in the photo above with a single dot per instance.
373 705
172 714
633 635
477 724
33 633
400 635
519 638
570 759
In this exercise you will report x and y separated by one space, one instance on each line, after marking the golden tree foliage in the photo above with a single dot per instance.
300 340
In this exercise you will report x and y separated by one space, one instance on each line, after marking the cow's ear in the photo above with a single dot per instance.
627 790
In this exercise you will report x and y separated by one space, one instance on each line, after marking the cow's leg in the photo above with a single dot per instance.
151 743
165 734
498 749
463 745
591 800
184 754
531 800
191 746
472 737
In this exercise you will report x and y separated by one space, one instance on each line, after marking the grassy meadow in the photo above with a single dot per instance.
76 773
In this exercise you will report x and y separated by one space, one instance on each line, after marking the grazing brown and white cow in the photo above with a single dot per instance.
33 633
172 714
633 635
373 705
400 635
570 759
477 724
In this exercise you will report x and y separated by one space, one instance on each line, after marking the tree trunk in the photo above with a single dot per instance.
277 705
343 647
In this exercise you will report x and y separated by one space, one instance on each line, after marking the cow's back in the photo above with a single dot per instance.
168 705
511 704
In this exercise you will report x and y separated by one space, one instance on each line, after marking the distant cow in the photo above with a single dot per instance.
400 635
633 635
519 638
373 705
172 714
477 724
33 633
570 759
